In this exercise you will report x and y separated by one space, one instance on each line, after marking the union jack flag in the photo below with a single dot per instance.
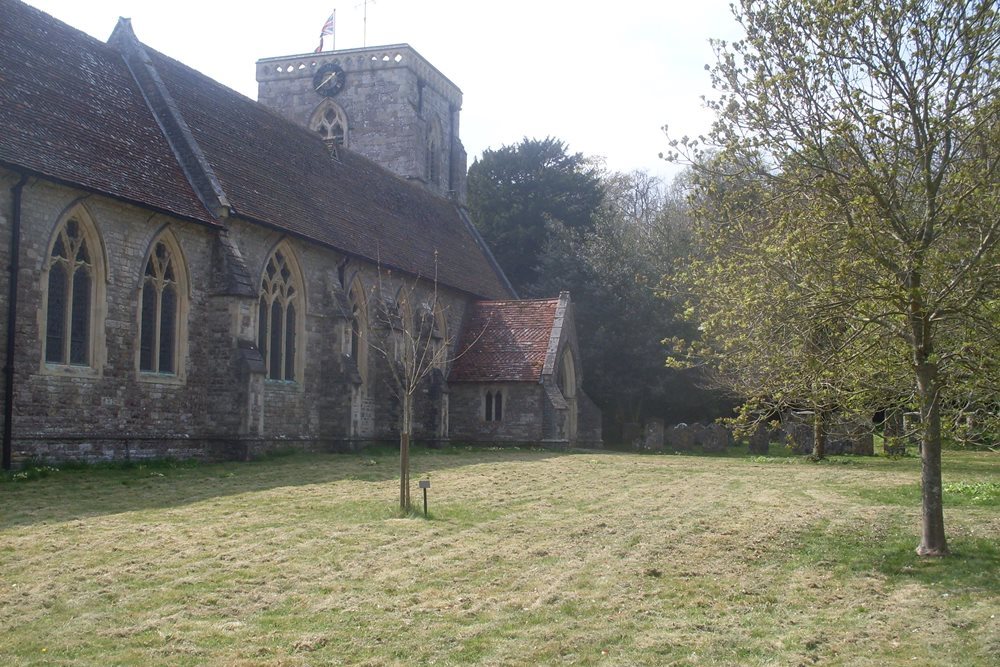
328 26
327 30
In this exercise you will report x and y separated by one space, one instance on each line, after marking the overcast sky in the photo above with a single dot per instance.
603 77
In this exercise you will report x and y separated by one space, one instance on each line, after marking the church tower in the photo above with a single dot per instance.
386 103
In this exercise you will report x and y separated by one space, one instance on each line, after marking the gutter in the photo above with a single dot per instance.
8 369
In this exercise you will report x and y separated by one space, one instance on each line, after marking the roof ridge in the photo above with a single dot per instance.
553 299
175 129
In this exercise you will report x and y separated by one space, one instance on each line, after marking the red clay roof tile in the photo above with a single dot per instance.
505 341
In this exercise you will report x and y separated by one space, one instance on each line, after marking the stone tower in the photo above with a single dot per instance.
386 103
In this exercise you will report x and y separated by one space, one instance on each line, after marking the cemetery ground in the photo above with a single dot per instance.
527 558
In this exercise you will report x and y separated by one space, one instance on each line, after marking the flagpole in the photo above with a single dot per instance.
333 37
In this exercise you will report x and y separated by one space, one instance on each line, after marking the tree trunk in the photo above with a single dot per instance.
932 539
404 454
819 435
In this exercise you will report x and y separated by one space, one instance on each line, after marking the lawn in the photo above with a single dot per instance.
527 558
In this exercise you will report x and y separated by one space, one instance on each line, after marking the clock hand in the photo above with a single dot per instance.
326 80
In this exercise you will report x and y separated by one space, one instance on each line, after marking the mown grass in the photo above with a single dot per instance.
527 558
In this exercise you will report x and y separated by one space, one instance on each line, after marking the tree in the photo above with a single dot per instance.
516 191
880 118
613 271
408 333
768 303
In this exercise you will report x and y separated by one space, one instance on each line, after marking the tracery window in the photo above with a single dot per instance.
330 121
279 306
72 276
494 406
160 312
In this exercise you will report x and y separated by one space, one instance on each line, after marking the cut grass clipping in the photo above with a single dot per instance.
527 558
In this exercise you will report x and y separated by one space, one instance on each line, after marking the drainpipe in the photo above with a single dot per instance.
8 369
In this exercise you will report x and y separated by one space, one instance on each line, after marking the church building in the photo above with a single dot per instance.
188 273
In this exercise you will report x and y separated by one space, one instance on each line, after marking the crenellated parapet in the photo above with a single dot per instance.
369 58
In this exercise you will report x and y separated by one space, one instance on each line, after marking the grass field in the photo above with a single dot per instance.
528 558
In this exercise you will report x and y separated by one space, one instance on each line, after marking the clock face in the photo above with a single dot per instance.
329 79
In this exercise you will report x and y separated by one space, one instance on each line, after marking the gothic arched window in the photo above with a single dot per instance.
359 331
73 277
161 309
278 313
330 121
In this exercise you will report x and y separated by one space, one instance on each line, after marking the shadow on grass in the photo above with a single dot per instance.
64 493
974 563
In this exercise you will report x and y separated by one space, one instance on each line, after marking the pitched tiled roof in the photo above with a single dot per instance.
70 110
506 341
279 173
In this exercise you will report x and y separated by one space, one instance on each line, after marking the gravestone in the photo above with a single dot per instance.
654 434
632 434
715 438
760 440
681 438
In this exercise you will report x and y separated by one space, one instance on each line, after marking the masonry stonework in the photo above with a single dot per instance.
113 411
139 152
395 103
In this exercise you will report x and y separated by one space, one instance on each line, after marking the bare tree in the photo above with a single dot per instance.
409 333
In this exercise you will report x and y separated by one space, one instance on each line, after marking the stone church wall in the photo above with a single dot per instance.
112 411
61 410
519 423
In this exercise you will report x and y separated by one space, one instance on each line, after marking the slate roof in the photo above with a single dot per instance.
506 341
71 110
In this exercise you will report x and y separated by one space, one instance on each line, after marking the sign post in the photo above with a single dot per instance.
425 484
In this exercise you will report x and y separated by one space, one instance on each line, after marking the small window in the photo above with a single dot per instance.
432 168
494 406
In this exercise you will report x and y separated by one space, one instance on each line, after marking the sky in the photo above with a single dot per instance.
604 77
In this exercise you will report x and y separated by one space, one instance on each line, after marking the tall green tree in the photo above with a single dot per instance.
880 119
768 301
614 271
516 192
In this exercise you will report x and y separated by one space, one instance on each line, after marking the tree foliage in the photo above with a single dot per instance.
516 193
614 273
874 123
